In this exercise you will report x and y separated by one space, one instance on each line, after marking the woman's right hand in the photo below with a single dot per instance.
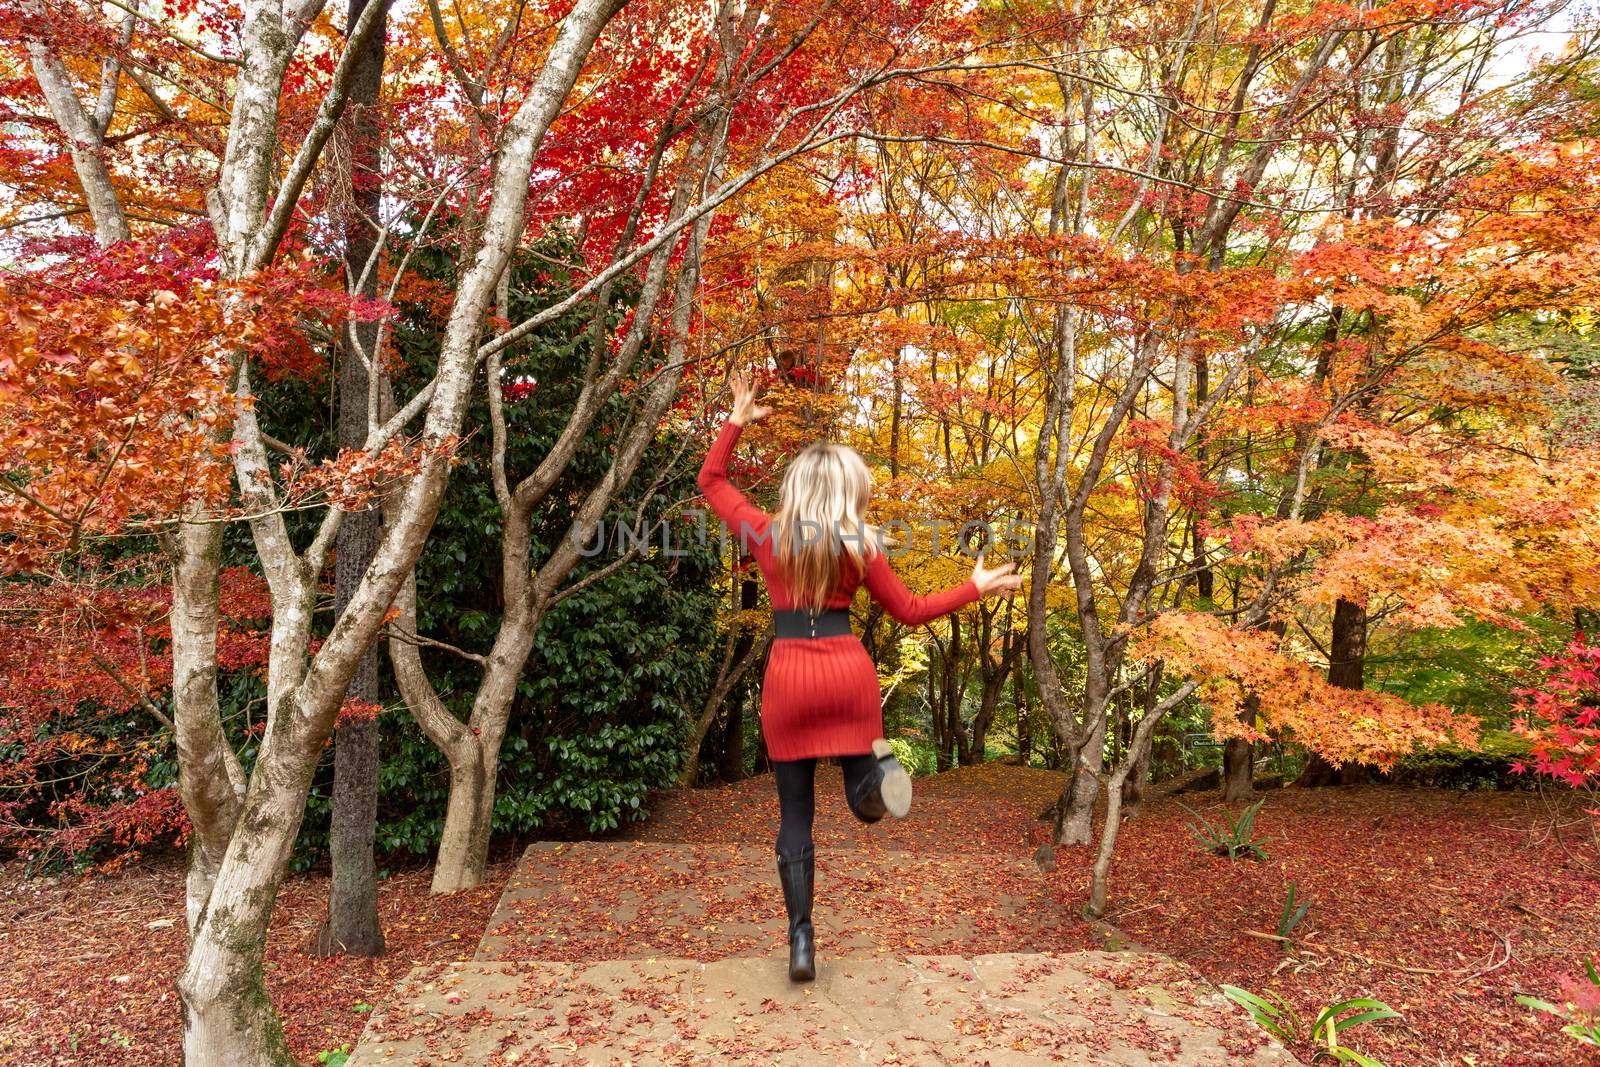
745 408
997 579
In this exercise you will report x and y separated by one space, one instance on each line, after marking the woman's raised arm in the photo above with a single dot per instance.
729 504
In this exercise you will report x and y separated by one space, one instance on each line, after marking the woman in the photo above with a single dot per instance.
820 693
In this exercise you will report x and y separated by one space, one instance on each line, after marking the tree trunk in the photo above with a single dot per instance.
952 690
738 652
1075 811
210 777
976 743
228 1017
1133 788
730 759
1204 578
1136 758
1347 662
993 674
352 925
763 762
1238 758
1238 764
475 762
1100 879
1019 696
463 858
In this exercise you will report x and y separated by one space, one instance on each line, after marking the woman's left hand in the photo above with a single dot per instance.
745 408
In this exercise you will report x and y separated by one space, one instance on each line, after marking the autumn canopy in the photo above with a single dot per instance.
330 333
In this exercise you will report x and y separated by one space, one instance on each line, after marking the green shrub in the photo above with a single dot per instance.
602 709
915 758
1453 767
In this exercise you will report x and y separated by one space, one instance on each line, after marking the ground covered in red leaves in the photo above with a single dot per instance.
1444 905
89 964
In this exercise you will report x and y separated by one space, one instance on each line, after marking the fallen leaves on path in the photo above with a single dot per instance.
1442 904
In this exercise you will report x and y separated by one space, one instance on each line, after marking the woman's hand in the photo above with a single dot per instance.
745 409
995 580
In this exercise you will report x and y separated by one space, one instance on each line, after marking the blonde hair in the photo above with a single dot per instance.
821 504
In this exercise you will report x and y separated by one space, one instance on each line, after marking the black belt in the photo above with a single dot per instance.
834 622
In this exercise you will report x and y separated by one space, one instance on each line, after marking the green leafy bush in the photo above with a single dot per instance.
1453 767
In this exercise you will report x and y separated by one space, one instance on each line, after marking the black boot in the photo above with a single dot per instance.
797 873
886 790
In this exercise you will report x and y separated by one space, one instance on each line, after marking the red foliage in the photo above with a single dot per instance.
1561 716
88 666
355 709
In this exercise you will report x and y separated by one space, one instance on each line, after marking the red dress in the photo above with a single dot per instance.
820 694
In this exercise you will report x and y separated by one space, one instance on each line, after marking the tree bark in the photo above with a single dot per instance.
1238 765
1347 662
730 759
1075 810
352 925
738 653
1238 758
210 777
993 672
952 689
1019 697
1204 577
1134 787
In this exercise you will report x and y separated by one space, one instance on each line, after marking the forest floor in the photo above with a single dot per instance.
1444 905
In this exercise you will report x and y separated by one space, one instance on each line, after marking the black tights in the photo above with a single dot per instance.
797 802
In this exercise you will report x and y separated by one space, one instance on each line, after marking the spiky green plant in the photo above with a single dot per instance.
1231 838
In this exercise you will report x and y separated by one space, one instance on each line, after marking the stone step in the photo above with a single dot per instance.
713 901
998 1009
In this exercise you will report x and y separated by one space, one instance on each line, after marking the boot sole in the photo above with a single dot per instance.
896 786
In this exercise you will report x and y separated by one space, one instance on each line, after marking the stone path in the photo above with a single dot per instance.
1002 1009
672 951
711 901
